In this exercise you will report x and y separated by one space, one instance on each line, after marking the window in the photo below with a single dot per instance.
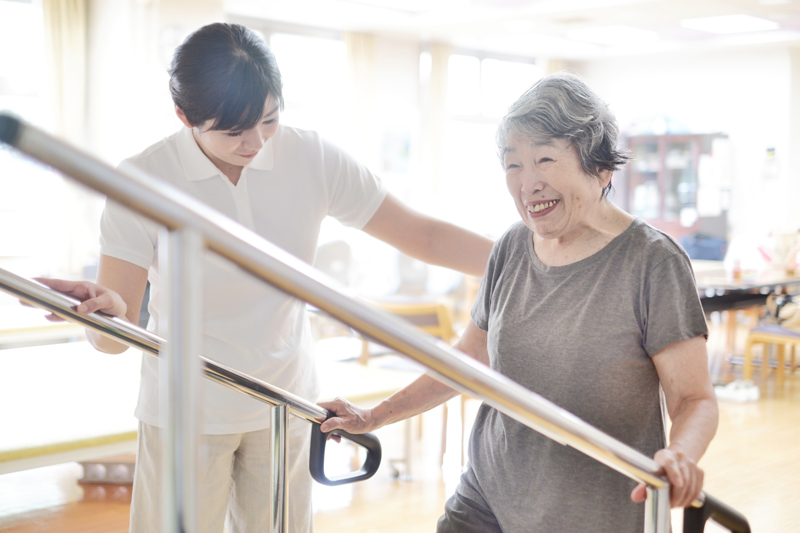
472 184
463 85
488 86
315 84
32 241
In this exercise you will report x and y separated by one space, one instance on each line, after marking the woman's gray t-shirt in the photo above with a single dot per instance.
582 336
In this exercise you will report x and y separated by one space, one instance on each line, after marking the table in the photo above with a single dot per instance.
719 292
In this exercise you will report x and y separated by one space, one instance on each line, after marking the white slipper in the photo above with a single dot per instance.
739 391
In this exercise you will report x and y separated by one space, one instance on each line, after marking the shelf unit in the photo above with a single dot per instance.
660 183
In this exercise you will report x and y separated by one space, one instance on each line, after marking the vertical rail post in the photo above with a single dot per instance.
180 260
656 511
279 519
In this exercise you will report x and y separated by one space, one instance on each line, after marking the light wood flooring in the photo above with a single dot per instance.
753 465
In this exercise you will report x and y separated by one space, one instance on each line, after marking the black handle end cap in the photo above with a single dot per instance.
9 129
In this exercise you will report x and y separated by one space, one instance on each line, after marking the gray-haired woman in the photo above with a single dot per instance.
587 306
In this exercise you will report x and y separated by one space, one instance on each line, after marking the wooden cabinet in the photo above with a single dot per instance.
660 183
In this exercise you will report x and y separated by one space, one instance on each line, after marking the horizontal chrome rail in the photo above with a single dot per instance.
176 210
63 306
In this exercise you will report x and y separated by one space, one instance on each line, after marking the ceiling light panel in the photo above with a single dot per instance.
728 24
414 6
612 35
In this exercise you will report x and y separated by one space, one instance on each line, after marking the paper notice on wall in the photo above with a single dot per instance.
709 187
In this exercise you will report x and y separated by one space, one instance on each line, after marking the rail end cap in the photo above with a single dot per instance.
9 129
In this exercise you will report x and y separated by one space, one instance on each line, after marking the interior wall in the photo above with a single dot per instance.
744 92
793 166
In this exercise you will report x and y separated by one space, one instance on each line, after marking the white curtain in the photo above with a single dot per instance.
435 114
361 58
65 29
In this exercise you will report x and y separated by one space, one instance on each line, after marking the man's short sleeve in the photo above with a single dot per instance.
127 236
355 194
672 307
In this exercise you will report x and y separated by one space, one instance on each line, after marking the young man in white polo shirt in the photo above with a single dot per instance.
281 183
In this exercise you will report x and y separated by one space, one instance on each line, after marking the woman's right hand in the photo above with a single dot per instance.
348 417
93 297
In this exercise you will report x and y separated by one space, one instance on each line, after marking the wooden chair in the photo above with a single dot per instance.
783 339
434 318
380 376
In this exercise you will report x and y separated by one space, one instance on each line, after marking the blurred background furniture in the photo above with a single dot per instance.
662 183
719 291
366 372
786 342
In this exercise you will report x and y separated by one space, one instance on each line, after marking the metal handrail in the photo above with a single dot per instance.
178 210
41 296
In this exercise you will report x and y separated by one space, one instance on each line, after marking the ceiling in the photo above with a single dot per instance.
536 28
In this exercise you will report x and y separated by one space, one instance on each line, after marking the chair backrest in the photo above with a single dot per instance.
433 318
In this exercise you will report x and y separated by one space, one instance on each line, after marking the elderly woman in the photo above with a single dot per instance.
587 306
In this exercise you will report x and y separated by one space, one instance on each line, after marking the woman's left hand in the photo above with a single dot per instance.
685 478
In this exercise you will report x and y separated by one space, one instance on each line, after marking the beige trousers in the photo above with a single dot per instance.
232 483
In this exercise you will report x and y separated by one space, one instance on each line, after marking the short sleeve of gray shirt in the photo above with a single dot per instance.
582 336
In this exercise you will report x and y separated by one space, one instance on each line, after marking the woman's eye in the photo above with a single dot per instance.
510 166
270 121
544 160
233 133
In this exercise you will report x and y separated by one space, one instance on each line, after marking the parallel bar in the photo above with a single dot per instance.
176 209
179 375
280 465
38 295
656 511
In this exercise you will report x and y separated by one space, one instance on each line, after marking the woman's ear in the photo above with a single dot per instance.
182 117
605 178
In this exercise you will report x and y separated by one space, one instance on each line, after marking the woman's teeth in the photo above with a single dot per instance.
541 207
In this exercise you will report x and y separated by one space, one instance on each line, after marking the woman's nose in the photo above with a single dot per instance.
531 182
252 139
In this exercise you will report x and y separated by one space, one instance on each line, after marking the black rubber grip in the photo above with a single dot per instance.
9 129
316 459
694 519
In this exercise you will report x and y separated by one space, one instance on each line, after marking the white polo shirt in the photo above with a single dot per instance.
283 195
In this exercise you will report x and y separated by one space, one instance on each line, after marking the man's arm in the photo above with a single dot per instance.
421 395
692 405
428 239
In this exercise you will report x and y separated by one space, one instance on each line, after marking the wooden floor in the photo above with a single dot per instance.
753 464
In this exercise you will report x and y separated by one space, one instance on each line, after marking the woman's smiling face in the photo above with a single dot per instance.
238 148
553 195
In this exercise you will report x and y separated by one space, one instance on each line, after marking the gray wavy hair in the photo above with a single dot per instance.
562 106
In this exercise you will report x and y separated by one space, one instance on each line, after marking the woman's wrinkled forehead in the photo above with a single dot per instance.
531 139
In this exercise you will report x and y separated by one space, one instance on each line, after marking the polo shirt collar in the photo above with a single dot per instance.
198 167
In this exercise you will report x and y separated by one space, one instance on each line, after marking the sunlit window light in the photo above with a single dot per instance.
425 66
729 24
316 87
463 85
503 82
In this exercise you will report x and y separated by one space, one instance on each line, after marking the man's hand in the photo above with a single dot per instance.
93 297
